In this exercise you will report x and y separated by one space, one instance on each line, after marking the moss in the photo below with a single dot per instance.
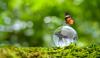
41 52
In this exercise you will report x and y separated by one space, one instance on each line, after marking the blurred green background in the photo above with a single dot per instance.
32 22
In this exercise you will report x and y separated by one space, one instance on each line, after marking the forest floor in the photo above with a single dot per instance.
42 52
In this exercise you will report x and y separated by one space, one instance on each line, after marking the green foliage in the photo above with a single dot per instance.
32 22
40 52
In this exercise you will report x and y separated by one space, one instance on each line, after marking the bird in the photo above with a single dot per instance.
65 35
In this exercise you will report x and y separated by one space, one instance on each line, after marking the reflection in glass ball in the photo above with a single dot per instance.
64 36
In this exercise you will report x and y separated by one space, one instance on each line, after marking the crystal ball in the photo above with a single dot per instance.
64 36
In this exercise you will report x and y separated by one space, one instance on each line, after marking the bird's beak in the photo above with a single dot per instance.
70 21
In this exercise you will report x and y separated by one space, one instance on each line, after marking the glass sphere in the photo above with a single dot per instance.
64 36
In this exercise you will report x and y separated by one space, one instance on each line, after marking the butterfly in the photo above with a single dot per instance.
68 19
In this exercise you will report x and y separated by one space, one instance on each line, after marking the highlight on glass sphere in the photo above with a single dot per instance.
65 35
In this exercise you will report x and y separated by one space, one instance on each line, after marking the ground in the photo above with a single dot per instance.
43 52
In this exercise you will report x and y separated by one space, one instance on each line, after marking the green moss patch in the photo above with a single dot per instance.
42 52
